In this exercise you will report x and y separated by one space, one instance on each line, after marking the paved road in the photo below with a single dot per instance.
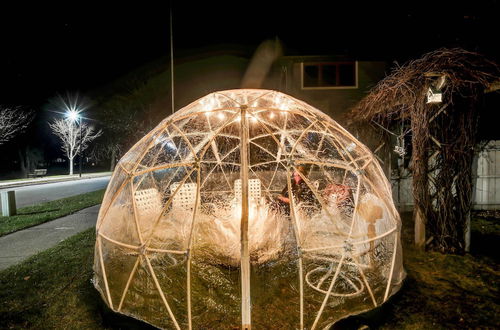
35 194
20 245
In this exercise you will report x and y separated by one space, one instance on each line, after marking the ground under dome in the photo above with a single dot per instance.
197 228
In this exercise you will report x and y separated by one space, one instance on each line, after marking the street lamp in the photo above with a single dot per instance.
73 115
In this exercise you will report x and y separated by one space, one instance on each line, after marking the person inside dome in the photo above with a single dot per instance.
338 194
300 190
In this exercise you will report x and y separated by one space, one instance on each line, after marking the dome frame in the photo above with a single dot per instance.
185 152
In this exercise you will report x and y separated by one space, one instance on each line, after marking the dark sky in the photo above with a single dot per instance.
80 45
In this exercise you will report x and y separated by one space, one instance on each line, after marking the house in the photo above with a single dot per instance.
333 84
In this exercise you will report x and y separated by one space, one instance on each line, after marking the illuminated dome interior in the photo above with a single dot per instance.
192 233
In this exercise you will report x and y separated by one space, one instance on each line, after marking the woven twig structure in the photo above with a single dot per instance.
444 135
191 235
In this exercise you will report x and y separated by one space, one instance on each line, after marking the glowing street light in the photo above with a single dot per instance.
73 115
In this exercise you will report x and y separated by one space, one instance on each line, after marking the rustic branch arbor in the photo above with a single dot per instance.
189 235
443 135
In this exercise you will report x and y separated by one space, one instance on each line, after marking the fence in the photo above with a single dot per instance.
487 182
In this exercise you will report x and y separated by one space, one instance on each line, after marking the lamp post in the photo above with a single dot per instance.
74 116
81 158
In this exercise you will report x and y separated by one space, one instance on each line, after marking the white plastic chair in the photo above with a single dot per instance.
185 198
254 189
148 201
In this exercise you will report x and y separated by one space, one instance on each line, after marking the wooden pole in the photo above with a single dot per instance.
420 164
172 59
190 245
295 224
245 256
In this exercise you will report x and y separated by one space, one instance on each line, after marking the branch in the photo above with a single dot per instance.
12 122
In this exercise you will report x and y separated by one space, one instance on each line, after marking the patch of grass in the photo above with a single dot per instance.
34 215
486 225
52 290
444 291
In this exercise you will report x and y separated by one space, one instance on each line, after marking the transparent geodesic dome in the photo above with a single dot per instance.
195 230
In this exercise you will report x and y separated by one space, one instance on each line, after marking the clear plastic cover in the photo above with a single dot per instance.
317 239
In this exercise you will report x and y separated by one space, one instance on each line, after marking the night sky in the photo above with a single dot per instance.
80 46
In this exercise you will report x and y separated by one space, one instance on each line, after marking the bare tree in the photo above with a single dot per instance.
107 149
70 134
12 122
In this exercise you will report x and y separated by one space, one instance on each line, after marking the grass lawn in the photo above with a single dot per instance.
53 289
34 215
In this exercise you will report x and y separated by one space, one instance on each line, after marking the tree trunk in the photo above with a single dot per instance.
22 162
71 166
449 210
28 161
420 164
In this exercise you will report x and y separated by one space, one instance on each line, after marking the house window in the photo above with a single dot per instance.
329 75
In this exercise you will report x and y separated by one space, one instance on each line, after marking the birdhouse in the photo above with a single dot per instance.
434 95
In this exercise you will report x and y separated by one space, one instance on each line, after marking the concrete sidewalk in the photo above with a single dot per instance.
59 178
22 244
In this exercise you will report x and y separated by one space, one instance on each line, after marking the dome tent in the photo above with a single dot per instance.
189 233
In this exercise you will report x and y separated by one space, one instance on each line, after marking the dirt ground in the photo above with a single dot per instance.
444 291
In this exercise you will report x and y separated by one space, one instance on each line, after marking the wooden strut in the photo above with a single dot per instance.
106 286
213 169
190 248
278 143
216 152
137 248
360 269
339 266
160 291
299 247
131 276
389 280
245 255
136 213
353 243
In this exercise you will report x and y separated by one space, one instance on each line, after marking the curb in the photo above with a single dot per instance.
32 183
